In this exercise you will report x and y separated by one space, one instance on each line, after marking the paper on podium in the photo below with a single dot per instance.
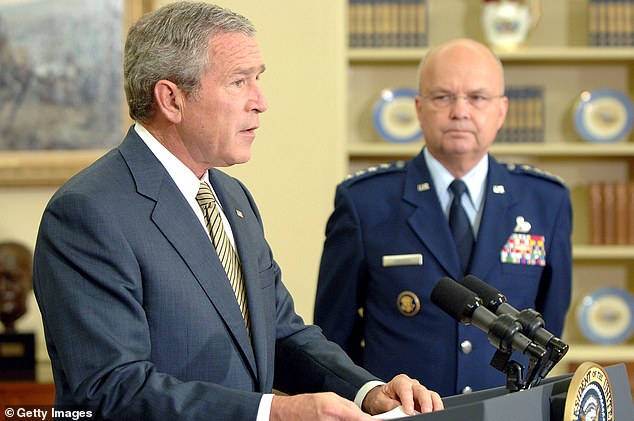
393 414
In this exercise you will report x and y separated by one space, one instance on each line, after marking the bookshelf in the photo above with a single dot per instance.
558 58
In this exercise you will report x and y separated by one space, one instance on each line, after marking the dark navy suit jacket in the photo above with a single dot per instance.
139 316
370 308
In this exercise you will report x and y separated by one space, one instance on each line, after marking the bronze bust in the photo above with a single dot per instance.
16 263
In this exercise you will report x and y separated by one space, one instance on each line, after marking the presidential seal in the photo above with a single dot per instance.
589 395
408 303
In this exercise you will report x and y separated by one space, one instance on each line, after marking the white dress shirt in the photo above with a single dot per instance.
475 180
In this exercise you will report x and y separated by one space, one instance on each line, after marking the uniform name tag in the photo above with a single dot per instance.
402 260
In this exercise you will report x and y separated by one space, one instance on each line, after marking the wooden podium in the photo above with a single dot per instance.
541 403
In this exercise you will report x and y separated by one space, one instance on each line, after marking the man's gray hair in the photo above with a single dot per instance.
172 43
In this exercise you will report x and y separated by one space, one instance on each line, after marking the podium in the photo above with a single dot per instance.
541 403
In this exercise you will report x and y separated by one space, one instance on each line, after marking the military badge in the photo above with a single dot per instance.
522 225
423 187
499 189
408 303
524 249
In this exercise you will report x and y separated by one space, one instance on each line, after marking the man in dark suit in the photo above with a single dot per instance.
389 239
149 312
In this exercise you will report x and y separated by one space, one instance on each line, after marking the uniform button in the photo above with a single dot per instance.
467 389
466 347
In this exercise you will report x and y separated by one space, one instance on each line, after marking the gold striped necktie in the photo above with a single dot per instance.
227 255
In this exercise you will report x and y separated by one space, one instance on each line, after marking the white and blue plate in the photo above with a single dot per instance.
394 116
606 316
603 116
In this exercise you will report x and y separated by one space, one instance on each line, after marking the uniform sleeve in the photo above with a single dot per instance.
340 286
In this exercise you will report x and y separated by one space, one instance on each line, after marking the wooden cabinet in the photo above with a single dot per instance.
557 59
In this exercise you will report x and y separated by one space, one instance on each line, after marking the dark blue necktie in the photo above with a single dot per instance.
460 225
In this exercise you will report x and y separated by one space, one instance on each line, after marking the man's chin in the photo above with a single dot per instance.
243 159
462 147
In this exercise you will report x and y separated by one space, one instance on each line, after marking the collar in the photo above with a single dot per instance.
475 179
184 178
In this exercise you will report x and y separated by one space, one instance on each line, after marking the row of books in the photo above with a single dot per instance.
387 23
611 22
611 212
525 117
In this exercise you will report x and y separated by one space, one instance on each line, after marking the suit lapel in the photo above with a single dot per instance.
187 236
498 220
420 192
204 263
237 216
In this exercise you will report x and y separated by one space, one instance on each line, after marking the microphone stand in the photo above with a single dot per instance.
501 335
532 325
541 360
531 321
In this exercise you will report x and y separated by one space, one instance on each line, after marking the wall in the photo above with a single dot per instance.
297 157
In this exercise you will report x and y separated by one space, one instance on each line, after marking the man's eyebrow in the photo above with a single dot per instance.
245 71
469 92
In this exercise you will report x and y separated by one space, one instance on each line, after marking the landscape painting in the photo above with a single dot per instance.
60 74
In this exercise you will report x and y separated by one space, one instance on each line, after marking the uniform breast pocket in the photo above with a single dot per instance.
522 270
521 283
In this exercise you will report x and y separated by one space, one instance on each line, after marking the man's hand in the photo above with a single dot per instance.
405 391
315 406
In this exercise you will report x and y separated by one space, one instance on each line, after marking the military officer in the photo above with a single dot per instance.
392 235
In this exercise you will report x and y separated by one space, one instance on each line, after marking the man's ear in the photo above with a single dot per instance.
169 100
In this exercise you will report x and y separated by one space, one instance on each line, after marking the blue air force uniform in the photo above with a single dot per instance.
388 243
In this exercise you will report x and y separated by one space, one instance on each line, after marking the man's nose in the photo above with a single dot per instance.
260 104
460 106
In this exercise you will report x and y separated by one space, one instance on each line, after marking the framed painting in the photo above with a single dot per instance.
62 103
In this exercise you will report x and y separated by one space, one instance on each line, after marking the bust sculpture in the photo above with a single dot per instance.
16 262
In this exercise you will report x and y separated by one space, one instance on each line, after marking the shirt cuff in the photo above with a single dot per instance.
264 410
358 399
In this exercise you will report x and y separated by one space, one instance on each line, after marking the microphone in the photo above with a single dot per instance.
503 331
531 321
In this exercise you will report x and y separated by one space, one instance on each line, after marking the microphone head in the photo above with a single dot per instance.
491 297
455 300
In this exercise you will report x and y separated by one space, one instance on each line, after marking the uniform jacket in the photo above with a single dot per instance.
139 316
376 304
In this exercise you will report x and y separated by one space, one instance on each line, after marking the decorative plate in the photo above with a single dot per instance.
603 116
395 116
607 316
